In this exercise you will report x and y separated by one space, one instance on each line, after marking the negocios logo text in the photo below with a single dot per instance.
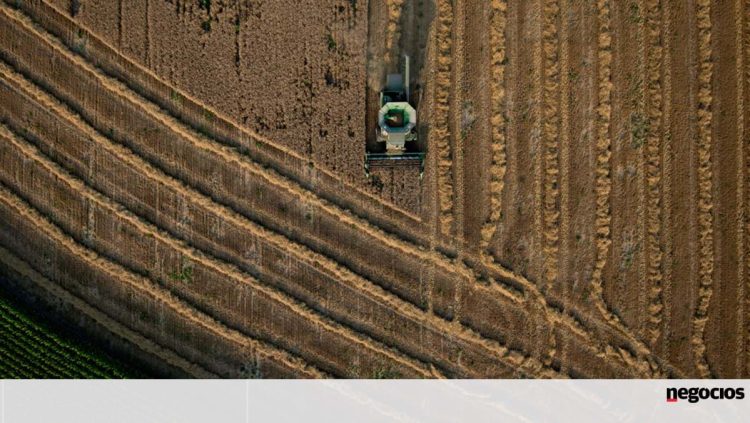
693 395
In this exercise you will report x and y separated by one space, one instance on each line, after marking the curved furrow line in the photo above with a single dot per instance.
440 130
31 276
705 200
498 122
436 260
24 215
653 170
329 273
637 355
202 265
550 142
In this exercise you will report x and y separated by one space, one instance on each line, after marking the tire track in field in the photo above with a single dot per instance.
441 127
146 345
498 121
212 265
458 134
653 169
148 33
666 136
639 105
685 283
510 145
603 179
117 273
565 93
536 261
458 131
705 200
393 32
548 150
637 355
237 224
119 24
439 260
550 142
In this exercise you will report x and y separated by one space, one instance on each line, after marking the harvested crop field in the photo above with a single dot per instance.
185 180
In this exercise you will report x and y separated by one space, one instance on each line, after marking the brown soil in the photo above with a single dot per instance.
183 174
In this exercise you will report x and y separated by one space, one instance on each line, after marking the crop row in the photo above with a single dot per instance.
51 340
45 349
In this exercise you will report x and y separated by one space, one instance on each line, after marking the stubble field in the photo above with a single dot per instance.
185 180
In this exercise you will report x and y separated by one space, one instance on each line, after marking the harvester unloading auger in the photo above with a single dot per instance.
396 132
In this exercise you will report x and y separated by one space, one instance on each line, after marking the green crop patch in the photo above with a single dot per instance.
31 350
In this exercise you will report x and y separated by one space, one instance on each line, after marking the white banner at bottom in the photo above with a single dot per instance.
361 401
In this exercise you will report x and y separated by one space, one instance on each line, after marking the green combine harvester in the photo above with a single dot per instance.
396 133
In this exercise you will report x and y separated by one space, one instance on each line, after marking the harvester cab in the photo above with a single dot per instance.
396 132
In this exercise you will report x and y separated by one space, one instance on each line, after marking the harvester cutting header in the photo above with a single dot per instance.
396 132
